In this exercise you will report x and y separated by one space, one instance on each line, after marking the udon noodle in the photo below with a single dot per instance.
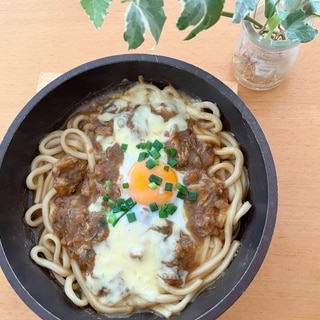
105 125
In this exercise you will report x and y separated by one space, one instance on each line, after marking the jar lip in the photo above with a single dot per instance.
259 40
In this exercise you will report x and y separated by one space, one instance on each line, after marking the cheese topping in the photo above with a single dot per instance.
146 124
130 260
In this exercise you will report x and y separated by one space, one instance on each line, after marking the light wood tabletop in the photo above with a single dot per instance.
39 36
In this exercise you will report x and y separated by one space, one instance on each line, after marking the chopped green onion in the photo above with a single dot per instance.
142 155
171 208
181 187
157 180
155 153
124 208
163 214
151 163
131 217
117 209
130 203
166 168
168 186
171 152
141 145
152 185
125 185
157 145
182 190
172 162
123 147
153 207
120 201
108 183
106 197
102 221
148 145
112 219
111 203
192 195
181 195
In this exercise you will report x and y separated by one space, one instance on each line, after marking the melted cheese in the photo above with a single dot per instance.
147 125
129 261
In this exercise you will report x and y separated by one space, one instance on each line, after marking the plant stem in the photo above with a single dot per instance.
247 17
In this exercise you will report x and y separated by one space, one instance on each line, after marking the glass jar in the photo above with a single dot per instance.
259 63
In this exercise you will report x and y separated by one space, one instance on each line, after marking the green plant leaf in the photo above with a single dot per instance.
316 7
297 28
96 10
312 7
293 18
135 27
154 13
269 8
242 7
302 32
293 5
209 10
192 14
142 16
273 22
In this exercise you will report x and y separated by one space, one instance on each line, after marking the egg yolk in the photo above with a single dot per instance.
139 188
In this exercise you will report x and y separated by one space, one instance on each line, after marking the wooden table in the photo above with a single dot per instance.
54 36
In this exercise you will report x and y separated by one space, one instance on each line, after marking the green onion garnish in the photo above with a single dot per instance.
111 203
141 145
125 185
130 203
172 162
148 145
181 187
151 163
155 153
153 207
171 152
131 217
108 183
112 219
166 168
142 155
192 195
123 147
106 197
116 209
181 195
171 208
157 145
157 180
152 185
102 221
168 186
120 201
163 213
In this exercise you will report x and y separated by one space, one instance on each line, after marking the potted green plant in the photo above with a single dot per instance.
266 48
